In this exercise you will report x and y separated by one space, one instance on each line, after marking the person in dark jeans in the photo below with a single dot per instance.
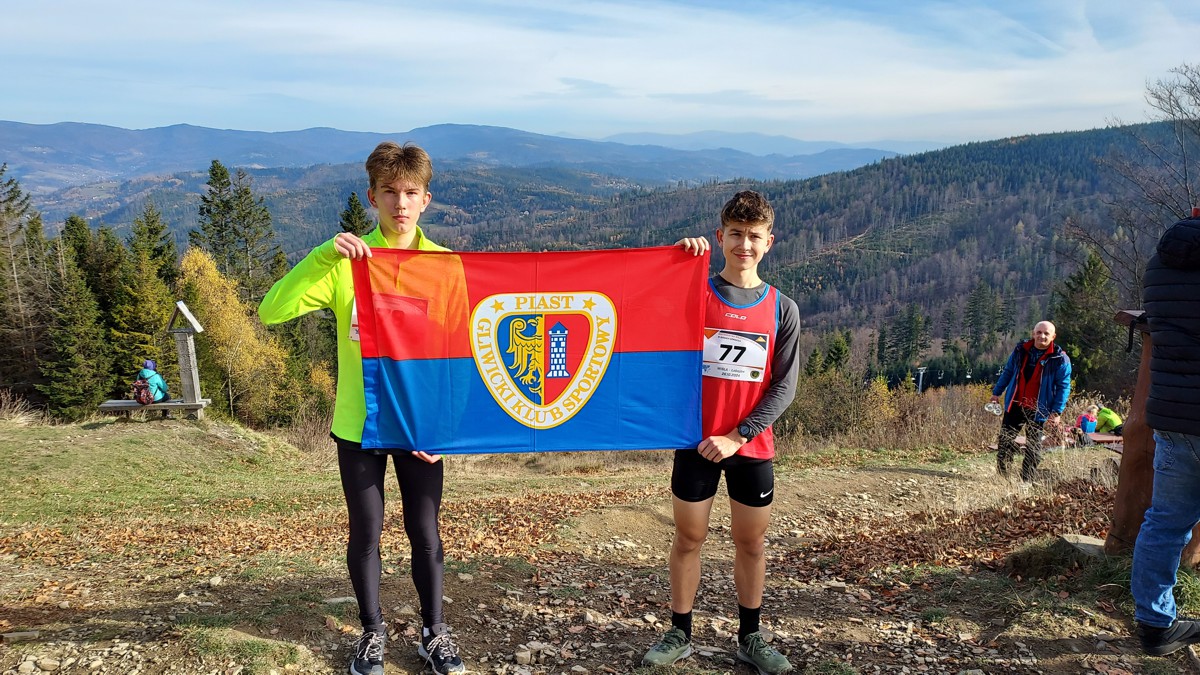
1171 298
1035 382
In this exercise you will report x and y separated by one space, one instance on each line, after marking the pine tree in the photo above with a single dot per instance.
215 231
38 273
883 355
104 266
949 324
815 364
78 235
152 236
355 219
1084 305
980 311
18 303
279 265
837 354
140 322
910 335
78 376
253 240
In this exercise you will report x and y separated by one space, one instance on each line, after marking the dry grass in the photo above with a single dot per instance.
17 412
309 433
936 421
853 422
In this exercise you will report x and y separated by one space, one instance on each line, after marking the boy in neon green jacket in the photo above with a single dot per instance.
400 178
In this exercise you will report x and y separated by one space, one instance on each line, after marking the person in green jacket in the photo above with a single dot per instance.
1108 422
399 190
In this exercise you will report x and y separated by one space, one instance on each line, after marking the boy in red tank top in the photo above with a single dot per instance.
750 366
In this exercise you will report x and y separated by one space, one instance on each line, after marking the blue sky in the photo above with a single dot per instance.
851 71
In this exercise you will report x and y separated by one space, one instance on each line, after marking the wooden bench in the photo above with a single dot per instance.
126 407
1111 441
183 326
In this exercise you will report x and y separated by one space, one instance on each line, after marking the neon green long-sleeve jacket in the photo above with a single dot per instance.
323 280
1107 420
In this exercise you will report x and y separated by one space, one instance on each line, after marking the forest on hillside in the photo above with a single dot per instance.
937 260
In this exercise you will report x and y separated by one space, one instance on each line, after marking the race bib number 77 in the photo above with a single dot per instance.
735 355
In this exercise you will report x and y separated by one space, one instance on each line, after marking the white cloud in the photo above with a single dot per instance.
820 69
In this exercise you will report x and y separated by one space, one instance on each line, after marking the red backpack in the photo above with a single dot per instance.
141 392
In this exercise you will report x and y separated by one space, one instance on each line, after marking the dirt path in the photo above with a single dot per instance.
887 569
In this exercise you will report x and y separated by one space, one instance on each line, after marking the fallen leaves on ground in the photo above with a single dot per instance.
470 527
873 541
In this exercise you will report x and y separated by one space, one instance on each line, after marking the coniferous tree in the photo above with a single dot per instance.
883 354
950 331
78 235
18 301
980 313
910 335
151 235
139 323
1084 305
837 355
253 240
38 272
815 364
78 374
215 231
355 219
279 265
104 267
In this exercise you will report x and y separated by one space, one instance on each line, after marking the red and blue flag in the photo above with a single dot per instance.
531 352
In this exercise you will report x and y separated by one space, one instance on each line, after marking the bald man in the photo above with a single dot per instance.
1036 382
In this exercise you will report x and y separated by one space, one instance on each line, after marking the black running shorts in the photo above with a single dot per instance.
749 481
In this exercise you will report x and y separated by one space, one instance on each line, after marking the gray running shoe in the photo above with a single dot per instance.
672 647
755 651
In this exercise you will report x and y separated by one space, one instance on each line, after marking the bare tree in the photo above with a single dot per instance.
1162 181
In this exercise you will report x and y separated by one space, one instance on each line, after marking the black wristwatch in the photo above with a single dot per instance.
746 432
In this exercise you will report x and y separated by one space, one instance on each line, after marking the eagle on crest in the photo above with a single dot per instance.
525 343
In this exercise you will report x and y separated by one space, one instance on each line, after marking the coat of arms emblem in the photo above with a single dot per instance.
542 355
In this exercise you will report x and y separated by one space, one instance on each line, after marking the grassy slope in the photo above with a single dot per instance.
53 474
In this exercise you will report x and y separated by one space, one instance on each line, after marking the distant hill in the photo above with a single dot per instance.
45 158
763 144
853 248
306 202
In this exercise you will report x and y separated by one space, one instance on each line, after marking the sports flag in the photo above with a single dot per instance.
531 352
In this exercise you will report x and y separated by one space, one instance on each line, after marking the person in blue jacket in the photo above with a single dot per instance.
1036 382
158 386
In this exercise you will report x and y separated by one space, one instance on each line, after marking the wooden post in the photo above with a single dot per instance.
1135 482
185 347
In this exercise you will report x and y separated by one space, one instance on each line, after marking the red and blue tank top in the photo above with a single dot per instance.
739 346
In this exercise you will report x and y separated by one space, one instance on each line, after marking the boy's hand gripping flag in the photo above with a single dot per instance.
527 352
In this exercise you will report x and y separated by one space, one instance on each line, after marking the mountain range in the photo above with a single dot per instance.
45 158
854 246
764 144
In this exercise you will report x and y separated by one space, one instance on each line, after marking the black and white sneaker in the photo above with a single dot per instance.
439 650
368 653
1162 641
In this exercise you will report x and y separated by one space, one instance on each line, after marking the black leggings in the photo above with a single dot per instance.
421 499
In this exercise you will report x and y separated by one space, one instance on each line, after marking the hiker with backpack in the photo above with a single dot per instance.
149 387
